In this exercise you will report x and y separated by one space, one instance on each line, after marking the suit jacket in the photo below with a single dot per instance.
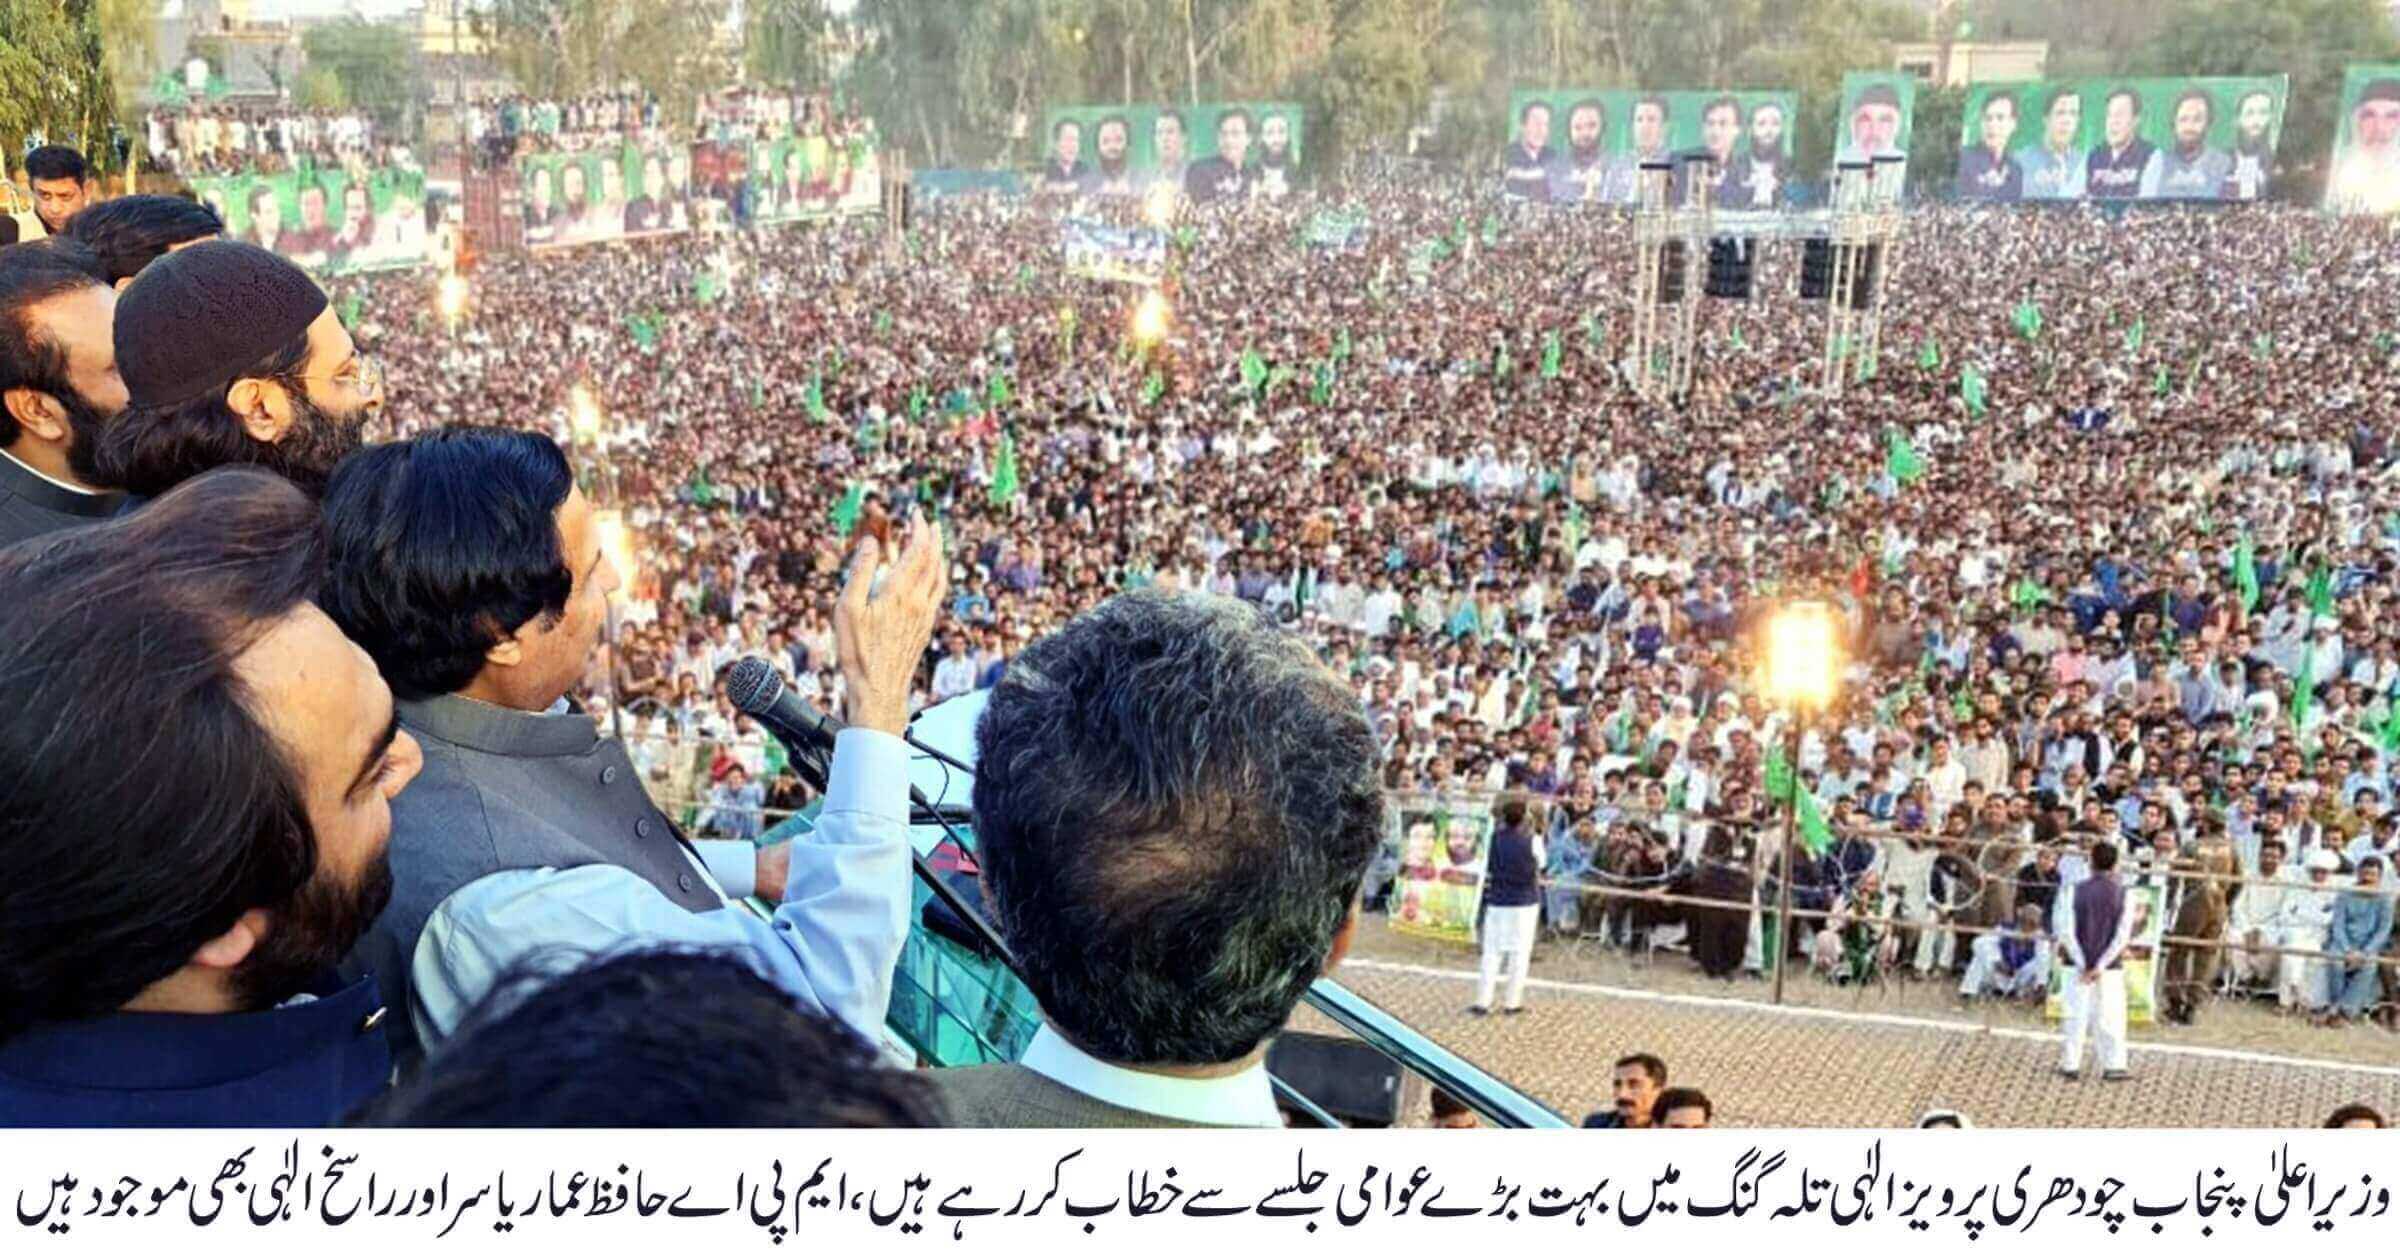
1011 1095
31 506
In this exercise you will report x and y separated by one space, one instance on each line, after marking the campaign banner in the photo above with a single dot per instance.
1125 255
2146 901
614 194
1878 118
2121 139
1444 843
1208 153
1587 146
1337 230
324 220
2365 168
806 177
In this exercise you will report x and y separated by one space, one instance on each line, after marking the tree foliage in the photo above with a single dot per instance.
566 48
55 80
371 66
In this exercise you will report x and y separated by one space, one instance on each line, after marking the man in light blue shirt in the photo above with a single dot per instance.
2054 168
530 836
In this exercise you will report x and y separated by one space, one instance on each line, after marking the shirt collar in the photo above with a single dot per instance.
500 731
1245 1099
32 483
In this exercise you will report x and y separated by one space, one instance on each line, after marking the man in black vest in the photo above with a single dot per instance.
471 568
2094 935
200 769
1511 899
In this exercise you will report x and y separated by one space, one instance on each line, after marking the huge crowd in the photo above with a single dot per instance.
1538 581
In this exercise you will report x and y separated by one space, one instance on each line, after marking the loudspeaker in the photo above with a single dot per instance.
1862 275
1350 1080
1816 269
1671 261
1729 270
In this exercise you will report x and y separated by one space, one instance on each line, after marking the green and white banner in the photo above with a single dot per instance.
325 220
2121 139
2365 176
1587 146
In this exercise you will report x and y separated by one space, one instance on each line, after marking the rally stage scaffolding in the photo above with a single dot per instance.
1848 252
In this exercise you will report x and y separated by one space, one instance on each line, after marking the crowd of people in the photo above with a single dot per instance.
595 121
1539 582
202 139
2117 576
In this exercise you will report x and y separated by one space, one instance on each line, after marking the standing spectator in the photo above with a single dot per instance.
2095 933
1512 906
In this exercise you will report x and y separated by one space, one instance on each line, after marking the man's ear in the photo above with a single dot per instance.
1342 939
37 413
234 946
263 406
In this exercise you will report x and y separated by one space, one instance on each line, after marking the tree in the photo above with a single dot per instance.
565 48
785 41
54 78
370 65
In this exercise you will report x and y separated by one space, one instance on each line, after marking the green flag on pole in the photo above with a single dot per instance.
845 512
1320 389
644 328
1004 472
813 398
1152 388
1900 459
2028 319
2245 572
2164 384
2304 690
1816 838
2134 335
2320 592
1254 370
1974 391
1550 354
917 401
1930 357
2389 734
999 392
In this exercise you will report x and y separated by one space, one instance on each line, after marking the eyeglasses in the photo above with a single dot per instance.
362 375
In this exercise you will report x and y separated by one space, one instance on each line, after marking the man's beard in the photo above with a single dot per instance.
1113 167
311 934
314 445
84 422
1587 156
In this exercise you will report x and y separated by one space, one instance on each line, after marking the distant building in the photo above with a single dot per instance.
248 60
1973 63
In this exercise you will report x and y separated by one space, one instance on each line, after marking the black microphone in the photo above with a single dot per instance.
758 690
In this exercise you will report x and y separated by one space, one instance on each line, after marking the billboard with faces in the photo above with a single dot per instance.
1209 153
325 220
1877 119
2365 172
2121 139
1583 146
620 194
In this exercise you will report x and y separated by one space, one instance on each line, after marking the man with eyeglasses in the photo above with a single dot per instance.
232 355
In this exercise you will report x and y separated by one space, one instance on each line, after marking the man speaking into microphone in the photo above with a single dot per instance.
468 565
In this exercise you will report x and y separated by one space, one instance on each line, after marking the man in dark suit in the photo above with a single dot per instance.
172 905
58 386
1175 803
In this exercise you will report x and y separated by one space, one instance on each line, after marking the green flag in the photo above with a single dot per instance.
845 512
1550 354
758 392
1576 529
813 398
1341 346
2263 345
2164 384
1816 838
1900 459
1930 357
2304 690
2320 592
2028 319
2390 733
1974 391
1738 342
1152 387
2133 336
352 301
883 322
1320 389
2028 595
1024 275
917 402
1254 370
2245 572
999 392
1500 362
708 286
644 328
1004 472
1591 332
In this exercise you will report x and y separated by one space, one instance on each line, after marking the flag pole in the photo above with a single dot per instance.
1783 891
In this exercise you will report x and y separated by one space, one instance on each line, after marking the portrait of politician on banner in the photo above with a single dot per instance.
2136 139
325 220
1444 844
1877 118
1582 146
1207 153
2365 176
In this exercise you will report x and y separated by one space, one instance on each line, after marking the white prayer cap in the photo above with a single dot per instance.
2324 859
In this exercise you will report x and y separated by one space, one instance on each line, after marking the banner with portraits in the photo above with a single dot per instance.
2364 175
806 177
1878 118
615 194
324 220
2121 139
1208 153
1444 842
1583 147
1125 255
